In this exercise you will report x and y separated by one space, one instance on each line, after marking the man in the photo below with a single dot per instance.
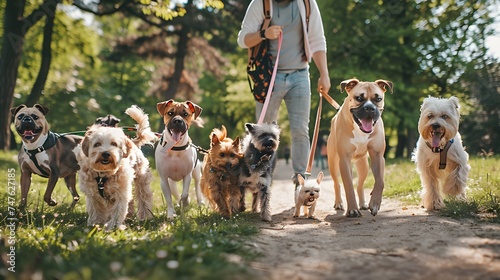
301 43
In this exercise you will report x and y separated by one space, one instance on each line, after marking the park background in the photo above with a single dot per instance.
86 59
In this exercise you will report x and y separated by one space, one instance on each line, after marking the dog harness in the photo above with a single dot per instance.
100 184
49 143
442 153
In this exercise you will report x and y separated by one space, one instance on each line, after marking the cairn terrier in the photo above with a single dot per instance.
221 170
259 150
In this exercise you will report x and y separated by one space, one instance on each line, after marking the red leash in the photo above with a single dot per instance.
271 84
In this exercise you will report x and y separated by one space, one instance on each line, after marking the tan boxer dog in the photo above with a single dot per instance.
357 131
44 153
176 159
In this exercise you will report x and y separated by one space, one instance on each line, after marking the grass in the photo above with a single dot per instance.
55 243
483 194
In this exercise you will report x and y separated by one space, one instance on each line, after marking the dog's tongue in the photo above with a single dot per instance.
367 125
436 139
176 136
28 133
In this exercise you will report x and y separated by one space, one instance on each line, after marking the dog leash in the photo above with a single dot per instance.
316 128
271 83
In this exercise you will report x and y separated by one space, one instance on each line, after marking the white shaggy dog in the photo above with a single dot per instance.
440 157
307 194
109 163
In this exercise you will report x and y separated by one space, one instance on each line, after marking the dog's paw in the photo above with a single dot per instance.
51 202
374 209
171 213
353 213
338 206
267 218
363 206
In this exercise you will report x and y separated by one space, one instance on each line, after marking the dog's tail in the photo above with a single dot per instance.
144 133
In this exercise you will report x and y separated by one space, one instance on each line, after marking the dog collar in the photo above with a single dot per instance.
49 143
443 152
100 184
174 148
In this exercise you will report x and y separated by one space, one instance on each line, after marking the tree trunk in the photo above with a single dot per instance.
10 58
41 79
15 28
175 79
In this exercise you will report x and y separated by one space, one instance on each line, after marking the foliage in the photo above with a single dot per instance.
131 53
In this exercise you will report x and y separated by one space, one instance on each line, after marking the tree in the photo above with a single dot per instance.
16 25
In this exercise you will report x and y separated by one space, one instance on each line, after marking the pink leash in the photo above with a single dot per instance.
271 84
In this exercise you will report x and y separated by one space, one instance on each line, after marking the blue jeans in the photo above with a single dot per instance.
295 89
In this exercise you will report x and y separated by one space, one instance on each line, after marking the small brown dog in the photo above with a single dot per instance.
221 170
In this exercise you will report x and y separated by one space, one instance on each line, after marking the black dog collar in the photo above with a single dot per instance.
174 148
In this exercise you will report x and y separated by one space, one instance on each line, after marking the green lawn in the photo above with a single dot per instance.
54 242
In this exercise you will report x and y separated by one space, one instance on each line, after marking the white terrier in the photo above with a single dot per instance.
307 194
440 156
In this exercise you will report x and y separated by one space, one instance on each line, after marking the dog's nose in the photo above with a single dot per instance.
27 119
106 155
177 121
435 126
369 108
312 193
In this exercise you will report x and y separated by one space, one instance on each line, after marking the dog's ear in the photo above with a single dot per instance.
250 127
320 176
300 179
14 110
215 139
195 109
383 84
348 84
86 143
160 106
127 147
236 142
42 109
455 102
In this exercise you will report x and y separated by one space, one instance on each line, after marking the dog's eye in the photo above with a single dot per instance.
186 114
35 117
221 154
359 98
378 99
20 117
232 155
308 191
114 144
170 113
444 117
430 116
97 145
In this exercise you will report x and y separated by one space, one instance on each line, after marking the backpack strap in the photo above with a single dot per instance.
266 9
307 4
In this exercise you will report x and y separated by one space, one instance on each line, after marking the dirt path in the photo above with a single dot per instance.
401 242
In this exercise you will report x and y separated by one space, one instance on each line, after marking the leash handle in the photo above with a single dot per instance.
271 84
315 137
